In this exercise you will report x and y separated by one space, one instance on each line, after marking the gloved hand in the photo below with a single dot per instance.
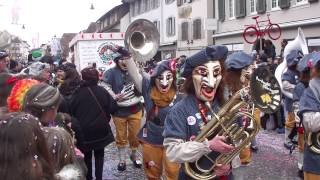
218 144
222 170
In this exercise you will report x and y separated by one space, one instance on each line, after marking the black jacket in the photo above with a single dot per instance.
95 127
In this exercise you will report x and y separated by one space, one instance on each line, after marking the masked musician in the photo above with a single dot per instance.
289 81
304 78
309 109
127 119
160 94
240 66
203 72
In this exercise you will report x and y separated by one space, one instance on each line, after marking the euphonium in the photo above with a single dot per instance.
264 93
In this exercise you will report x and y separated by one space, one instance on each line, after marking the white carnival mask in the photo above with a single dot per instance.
206 79
164 81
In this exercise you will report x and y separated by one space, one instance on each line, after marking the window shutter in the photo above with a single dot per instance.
179 2
185 31
284 4
221 5
261 6
197 29
313 0
240 8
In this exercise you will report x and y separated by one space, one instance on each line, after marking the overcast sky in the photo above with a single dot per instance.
50 17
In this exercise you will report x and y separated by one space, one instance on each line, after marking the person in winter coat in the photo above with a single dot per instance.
92 106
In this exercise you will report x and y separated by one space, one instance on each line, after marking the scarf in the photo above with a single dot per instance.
162 99
315 87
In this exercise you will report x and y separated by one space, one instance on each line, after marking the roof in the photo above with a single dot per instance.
116 8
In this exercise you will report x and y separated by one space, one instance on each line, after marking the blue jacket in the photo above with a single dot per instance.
117 79
309 103
292 77
151 133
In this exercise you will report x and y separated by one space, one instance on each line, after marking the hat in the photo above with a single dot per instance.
66 66
36 68
238 60
314 61
121 52
304 63
161 67
293 57
3 54
210 53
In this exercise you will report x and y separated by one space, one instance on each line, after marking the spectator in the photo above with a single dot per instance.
283 45
4 61
23 153
92 106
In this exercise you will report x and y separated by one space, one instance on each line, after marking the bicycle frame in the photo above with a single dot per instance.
257 25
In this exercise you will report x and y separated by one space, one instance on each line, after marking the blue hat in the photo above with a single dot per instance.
303 64
293 57
3 54
160 68
314 61
210 53
238 60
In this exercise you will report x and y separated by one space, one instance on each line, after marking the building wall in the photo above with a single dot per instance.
198 9
289 20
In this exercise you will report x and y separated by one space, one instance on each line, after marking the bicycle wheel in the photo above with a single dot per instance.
274 31
250 34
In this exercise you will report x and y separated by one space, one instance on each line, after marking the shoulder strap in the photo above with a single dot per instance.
95 98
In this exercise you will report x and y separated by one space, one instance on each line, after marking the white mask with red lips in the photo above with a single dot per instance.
206 79
164 81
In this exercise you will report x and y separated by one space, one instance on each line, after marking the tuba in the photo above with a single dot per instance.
142 39
264 93
299 43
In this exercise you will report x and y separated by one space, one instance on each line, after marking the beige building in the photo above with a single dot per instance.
196 24
233 15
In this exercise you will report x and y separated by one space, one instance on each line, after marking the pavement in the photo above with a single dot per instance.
271 162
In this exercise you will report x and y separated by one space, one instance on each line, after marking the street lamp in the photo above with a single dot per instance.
92 7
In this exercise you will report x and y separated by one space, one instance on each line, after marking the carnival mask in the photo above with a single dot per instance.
122 64
206 79
246 74
164 81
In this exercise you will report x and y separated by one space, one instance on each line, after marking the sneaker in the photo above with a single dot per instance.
122 166
280 130
288 145
254 148
136 162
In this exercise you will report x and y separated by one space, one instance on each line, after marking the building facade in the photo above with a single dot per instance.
233 15
196 24
163 13
115 20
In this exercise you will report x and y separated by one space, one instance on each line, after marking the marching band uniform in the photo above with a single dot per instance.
297 94
203 72
160 94
239 67
126 119
289 81
310 112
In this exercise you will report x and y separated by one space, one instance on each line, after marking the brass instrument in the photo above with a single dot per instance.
264 93
142 39
313 141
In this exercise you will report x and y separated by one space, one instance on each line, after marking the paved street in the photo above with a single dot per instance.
271 162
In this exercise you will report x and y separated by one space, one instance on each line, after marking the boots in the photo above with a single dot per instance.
122 159
287 142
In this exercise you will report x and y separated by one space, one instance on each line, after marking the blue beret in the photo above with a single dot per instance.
160 68
303 64
210 53
315 59
238 60
293 57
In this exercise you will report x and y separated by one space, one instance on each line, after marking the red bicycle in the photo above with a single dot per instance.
252 32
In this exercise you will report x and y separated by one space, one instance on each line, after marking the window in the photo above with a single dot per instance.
169 1
137 8
274 4
197 29
253 6
157 24
231 8
132 9
301 2
156 4
171 26
184 31
147 5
